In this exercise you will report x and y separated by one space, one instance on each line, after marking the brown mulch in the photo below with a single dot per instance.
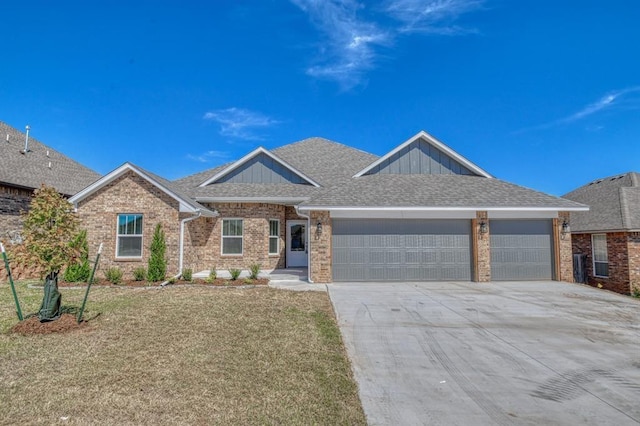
221 282
32 325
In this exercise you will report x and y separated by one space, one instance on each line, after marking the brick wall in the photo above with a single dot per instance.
320 244
565 254
13 201
129 194
633 251
203 237
482 252
618 254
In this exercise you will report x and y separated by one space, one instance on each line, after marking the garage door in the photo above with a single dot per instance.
521 250
401 250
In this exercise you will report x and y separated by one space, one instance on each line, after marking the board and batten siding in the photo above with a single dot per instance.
420 157
262 169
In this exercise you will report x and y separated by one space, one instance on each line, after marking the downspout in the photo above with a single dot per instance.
181 257
308 242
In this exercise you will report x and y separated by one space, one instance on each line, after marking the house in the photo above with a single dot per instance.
26 164
608 235
420 212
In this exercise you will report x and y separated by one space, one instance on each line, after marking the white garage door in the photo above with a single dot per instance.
521 250
401 250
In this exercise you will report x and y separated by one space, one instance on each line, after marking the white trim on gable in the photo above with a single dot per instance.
185 206
433 141
251 155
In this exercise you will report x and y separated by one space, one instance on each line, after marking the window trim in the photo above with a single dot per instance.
277 237
118 236
222 237
593 255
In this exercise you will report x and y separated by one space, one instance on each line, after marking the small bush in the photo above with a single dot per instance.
212 276
140 274
635 290
113 275
187 274
254 270
235 273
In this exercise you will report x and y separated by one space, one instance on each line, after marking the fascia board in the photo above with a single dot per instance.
433 141
249 156
446 209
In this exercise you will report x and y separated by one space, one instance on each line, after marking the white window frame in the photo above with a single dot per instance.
119 235
277 238
593 254
222 237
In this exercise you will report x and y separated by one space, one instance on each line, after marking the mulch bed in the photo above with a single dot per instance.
32 325
218 282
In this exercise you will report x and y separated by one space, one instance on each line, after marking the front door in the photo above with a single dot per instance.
296 243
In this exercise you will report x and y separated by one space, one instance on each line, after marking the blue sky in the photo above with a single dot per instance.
545 94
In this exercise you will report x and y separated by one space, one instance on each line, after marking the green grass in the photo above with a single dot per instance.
188 355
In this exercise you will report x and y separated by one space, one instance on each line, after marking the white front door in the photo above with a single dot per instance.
296 243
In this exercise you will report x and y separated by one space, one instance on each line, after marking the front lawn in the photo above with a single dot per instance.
179 355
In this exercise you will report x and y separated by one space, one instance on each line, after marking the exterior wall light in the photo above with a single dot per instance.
566 229
319 228
483 227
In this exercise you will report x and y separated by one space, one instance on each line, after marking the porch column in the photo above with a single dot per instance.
320 243
481 248
563 250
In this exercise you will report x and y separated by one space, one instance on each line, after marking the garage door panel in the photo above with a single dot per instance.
402 250
521 250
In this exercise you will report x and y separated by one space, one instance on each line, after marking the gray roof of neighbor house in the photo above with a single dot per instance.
41 164
614 204
460 191
328 163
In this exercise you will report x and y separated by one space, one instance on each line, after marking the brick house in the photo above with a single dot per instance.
420 212
26 164
608 235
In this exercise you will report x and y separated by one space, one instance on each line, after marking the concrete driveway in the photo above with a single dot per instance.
533 353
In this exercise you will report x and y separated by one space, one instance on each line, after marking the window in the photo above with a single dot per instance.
129 239
232 236
600 259
274 236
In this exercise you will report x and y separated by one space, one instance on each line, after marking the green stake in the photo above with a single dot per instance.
13 288
84 302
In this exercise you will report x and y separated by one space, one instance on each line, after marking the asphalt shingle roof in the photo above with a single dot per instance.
394 190
614 204
31 170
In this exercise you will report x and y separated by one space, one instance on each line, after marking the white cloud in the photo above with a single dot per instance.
240 123
351 41
209 156
607 101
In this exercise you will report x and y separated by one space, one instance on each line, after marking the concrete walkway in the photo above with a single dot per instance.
294 279
509 353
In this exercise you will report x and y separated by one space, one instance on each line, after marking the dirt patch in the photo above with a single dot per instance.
32 325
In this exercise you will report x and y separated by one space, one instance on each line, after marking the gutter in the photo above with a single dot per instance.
181 254
308 242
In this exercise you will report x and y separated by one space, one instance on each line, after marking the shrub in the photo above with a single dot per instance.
187 274
235 273
140 274
79 269
157 269
212 276
113 275
635 290
254 270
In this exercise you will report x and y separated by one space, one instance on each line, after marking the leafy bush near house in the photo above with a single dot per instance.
212 275
140 274
635 290
235 273
113 275
254 270
79 269
157 265
187 274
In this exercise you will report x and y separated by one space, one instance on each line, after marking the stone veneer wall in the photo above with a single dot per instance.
623 253
565 253
633 252
130 193
203 237
482 251
321 259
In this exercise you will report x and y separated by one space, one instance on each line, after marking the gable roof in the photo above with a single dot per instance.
254 154
614 204
422 135
187 204
40 165
460 192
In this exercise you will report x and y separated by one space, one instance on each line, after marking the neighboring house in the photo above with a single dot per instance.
26 164
608 235
420 212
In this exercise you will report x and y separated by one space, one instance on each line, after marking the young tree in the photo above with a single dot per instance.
48 228
157 265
